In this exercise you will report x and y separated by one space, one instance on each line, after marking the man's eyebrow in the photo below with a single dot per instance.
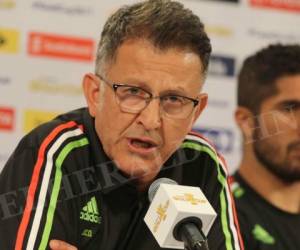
134 82
147 86
177 91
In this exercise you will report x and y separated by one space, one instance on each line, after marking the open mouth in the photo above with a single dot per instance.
142 144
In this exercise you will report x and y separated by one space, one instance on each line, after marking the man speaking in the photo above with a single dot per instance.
82 178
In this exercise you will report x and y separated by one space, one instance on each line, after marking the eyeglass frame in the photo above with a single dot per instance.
115 86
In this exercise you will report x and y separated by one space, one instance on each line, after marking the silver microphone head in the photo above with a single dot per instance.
155 185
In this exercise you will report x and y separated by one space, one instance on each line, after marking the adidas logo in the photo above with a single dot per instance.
90 212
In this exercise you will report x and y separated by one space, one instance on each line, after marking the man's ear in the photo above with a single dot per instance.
203 97
91 89
244 118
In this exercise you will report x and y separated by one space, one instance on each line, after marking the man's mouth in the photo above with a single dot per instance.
294 147
142 146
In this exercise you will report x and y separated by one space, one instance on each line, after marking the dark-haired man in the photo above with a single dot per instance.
83 177
267 184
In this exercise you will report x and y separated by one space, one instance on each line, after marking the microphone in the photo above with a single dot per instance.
179 217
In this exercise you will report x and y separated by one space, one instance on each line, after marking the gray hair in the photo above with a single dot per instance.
165 23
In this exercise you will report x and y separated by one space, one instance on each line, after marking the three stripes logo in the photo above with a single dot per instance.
90 212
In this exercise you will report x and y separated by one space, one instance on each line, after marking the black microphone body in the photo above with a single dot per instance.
189 230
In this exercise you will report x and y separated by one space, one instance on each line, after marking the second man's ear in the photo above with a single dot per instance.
244 118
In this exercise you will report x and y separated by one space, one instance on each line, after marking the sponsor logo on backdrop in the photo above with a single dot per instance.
268 35
7 119
9 41
50 85
220 31
289 5
58 46
222 138
232 1
7 4
221 66
33 118
61 7
4 80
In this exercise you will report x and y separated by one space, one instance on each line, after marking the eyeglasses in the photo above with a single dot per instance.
133 99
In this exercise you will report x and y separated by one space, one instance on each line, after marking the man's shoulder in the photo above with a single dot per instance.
201 152
198 142
50 144
52 136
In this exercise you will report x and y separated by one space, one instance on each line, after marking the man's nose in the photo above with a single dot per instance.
150 116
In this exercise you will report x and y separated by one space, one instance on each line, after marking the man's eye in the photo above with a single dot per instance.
173 99
133 91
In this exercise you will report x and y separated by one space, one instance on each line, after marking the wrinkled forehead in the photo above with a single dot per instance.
144 52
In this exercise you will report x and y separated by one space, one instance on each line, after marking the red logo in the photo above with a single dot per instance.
50 45
7 118
290 5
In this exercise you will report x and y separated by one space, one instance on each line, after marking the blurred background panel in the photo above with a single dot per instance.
47 45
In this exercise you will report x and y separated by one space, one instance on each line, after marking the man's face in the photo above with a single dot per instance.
140 143
277 143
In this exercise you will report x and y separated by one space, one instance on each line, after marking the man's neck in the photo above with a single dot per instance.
285 196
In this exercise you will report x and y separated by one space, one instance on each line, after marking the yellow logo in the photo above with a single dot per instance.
7 4
161 211
49 85
33 118
220 31
189 198
9 41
